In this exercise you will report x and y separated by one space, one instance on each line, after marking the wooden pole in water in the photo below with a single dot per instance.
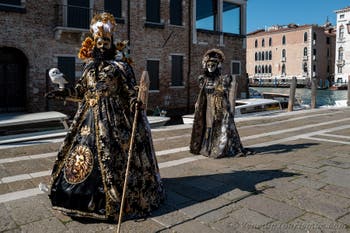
313 92
348 102
291 99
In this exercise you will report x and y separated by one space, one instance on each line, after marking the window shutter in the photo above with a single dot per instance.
67 66
176 70
235 68
176 12
11 2
153 73
153 11
114 7
78 14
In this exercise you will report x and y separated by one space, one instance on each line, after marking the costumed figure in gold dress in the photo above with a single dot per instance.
214 133
88 174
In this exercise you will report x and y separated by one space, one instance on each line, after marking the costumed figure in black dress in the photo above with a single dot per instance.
88 174
214 133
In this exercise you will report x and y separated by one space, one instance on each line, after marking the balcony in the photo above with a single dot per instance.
341 40
13 6
340 62
71 19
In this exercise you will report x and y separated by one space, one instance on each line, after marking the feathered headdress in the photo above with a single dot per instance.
213 55
102 25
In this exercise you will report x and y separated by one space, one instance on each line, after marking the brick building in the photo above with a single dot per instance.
166 37
279 53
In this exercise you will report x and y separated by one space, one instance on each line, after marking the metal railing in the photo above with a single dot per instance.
340 62
74 16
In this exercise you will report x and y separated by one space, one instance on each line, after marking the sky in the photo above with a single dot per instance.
265 13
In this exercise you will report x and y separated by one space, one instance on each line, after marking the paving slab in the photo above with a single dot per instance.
295 183
272 208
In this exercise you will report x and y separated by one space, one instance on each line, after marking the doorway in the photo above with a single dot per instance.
13 70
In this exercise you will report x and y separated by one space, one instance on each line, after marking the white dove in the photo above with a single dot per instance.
57 77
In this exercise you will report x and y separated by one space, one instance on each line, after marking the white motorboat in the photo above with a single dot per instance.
248 107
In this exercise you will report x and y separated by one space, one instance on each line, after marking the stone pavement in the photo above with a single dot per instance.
299 181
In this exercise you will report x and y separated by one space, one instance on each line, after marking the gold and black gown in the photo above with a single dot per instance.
214 133
88 174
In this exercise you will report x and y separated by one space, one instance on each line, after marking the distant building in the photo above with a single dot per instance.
277 54
167 38
342 54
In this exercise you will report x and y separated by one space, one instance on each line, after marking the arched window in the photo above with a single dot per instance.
314 36
341 32
283 69
305 51
340 69
305 36
256 56
256 43
270 55
259 56
340 53
256 69
266 69
263 70
283 53
266 55
263 42
259 70
262 56
270 69
270 41
284 40
305 67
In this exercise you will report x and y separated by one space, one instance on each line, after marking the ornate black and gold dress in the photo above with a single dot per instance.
214 133
88 174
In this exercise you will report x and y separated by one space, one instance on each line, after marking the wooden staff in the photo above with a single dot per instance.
142 96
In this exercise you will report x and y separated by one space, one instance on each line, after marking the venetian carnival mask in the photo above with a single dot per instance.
212 60
212 66
103 43
102 27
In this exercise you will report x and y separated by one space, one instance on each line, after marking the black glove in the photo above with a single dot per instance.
60 94
136 104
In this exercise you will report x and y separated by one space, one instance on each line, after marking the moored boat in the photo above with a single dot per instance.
338 87
248 107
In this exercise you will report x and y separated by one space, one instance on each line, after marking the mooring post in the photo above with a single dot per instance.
348 102
313 92
291 99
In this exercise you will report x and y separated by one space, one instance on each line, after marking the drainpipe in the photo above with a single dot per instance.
189 53
128 28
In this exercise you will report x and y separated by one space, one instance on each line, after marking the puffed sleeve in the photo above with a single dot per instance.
128 83
201 79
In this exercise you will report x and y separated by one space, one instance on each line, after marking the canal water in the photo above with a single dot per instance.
324 98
